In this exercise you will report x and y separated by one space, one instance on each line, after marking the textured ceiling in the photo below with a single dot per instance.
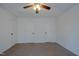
17 9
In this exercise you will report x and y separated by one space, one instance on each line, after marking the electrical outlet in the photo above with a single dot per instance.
11 37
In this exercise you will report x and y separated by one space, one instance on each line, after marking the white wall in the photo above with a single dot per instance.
7 25
32 29
68 30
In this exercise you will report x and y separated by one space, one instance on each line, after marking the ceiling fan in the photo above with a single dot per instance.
37 7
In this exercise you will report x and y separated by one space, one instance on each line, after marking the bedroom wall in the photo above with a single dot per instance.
7 26
68 30
36 29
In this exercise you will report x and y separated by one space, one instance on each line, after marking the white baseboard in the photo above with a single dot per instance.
67 48
36 42
1 52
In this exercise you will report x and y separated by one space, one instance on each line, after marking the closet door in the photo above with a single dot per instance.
41 30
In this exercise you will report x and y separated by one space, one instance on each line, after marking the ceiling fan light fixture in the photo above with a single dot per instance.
37 7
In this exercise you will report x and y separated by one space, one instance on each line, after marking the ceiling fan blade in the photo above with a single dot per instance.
28 6
45 7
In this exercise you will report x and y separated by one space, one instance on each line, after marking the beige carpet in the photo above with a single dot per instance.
38 49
